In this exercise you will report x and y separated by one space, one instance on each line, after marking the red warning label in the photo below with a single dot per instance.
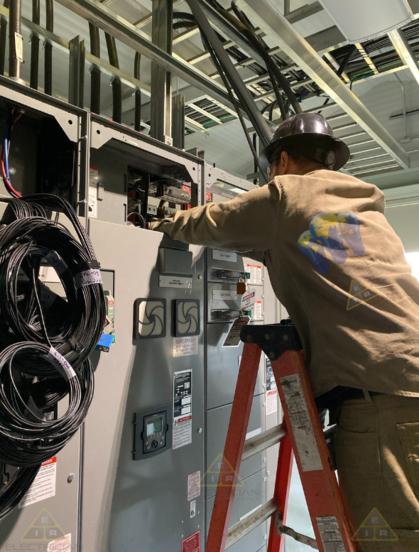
192 543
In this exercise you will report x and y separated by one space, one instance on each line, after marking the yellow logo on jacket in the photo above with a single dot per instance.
328 234
359 294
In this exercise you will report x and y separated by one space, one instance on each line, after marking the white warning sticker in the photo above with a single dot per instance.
44 484
302 427
255 272
194 489
60 545
271 390
182 432
330 534
185 346
224 256
182 408
257 311
271 401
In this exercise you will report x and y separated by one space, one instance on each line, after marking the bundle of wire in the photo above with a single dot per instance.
45 338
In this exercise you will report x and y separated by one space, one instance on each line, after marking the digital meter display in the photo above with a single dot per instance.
154 425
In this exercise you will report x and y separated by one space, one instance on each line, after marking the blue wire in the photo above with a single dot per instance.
6 150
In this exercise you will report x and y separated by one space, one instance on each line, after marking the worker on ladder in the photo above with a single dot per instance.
339 269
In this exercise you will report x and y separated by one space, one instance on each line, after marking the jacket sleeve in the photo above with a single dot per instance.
249 222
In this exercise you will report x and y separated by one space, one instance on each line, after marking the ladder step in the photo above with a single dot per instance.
264 440
252 521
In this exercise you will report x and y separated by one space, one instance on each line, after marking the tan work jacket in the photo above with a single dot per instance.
337 266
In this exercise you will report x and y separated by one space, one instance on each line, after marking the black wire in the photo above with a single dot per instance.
233 101
44 347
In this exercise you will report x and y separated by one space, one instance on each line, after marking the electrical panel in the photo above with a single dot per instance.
164 383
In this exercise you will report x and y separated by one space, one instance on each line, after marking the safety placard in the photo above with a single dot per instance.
194 489
192 543
271 399
44 484
185 346
255 272
233 336
182 409
60 545
224 256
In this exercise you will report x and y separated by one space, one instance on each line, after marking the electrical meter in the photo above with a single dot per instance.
152 432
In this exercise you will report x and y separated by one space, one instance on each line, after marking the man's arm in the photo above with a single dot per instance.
250 222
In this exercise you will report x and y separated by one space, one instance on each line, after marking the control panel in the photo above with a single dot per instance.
152 433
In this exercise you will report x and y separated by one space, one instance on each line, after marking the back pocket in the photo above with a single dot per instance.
409 437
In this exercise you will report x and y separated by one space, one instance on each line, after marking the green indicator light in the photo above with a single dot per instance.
247 313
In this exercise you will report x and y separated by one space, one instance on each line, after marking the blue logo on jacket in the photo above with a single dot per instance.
328 232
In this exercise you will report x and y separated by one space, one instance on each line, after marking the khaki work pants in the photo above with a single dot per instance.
377 457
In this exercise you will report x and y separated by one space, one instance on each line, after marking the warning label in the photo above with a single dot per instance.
330 534
255 272
44 484
192 543
194 490
60 545
182 408
185 346
233 336
271 390
271 402
257 311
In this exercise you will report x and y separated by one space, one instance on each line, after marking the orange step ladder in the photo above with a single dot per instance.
300 433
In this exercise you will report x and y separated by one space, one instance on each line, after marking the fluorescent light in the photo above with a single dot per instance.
361 20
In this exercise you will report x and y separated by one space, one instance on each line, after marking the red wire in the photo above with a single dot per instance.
6 181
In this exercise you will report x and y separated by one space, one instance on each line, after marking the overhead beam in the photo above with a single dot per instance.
94 12
405 51
278 29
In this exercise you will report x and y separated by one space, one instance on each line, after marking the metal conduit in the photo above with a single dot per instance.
48 48
95 73
36 18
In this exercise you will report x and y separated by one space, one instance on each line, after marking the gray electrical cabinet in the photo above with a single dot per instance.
141 475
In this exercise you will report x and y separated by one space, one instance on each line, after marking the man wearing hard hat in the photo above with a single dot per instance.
340 270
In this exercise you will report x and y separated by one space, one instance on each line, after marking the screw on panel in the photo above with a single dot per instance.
271 354
70 478
199 429
267 336
199 276
285 338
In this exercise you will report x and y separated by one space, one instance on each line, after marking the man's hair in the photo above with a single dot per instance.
304 152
